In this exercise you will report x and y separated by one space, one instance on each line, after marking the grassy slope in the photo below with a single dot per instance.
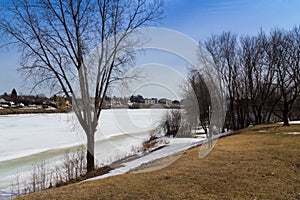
257 164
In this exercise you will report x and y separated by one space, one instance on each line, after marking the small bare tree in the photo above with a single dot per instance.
171 122
197 100
56 37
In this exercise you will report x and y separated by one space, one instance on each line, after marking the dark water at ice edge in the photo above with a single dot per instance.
6 195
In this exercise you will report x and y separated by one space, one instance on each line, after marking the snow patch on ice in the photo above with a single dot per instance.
292 133
295 122
176 145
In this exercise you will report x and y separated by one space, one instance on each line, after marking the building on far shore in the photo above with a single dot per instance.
165 101
4 103
150 100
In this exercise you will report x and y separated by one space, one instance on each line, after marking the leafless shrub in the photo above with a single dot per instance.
155 141
171 122
149 143
73 168
43 176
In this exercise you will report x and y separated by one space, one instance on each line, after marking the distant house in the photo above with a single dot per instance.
4 103
151 101
164 101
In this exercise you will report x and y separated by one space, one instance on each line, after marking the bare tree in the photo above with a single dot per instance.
286 45
259 76
56 37
197 100
223 49
171 122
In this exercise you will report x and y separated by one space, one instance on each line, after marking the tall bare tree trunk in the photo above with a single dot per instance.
285 115
90 152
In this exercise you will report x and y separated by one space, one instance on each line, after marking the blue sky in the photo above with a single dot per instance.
200 18
195 18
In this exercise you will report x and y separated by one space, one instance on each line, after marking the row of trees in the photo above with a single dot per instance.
261 74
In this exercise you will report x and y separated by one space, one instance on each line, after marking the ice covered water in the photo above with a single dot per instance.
28 139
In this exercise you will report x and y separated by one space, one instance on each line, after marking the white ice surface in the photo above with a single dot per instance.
27 139
23 135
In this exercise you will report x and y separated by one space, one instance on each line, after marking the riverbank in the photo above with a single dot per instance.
13 111
263 162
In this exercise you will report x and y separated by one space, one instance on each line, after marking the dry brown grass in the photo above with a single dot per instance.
252 165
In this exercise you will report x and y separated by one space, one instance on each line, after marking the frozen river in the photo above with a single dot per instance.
28 139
